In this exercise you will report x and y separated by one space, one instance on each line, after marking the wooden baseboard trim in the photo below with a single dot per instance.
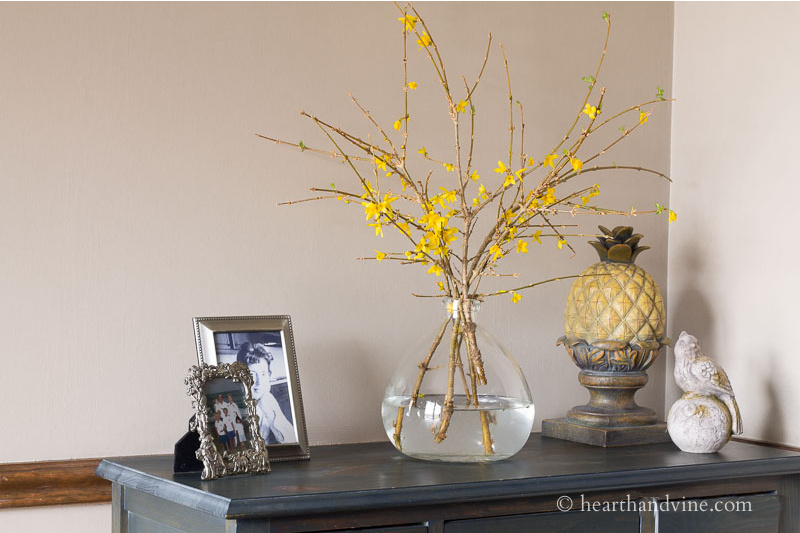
766 443
52 483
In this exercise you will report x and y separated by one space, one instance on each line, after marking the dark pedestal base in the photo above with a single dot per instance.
561 428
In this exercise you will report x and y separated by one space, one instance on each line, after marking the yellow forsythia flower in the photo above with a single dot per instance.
422 151
561 243
404 227
433 220
409 21
515 297
548 160
371 210
380 163
432 239
550 197
496 252
594 192
378 228
531 162
537 235
500 167
576 163
475 176
422 246
441 286
385 205
643 117
673 216
424 40
522 247
398 125
590 110
509 181
380 256
449 235
461 106
412 85
448 196
435 269
367 186
448 166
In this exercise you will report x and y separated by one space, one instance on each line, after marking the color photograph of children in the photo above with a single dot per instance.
227 414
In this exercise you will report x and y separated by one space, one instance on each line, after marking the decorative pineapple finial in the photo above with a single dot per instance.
620 245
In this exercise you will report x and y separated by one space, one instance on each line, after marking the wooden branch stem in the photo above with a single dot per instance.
424 366
447 408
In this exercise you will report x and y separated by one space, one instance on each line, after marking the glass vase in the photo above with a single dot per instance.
460 396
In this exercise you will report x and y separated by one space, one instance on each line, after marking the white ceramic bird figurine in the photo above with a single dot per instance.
694 372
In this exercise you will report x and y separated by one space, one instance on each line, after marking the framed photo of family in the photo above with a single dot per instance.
266 345
226 421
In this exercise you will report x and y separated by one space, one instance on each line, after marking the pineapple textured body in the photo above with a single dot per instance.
615 303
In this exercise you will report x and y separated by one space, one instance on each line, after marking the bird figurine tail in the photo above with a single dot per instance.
736 416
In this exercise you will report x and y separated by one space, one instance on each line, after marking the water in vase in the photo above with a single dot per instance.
509 423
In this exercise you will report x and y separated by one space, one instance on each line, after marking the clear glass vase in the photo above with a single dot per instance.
459 396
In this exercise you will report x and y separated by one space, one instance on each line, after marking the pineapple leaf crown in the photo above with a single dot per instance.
620 245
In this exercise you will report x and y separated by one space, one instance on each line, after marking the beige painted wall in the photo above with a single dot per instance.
732 263
135 196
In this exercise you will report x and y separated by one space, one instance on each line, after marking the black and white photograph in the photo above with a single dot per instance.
266 345
227 415
262 352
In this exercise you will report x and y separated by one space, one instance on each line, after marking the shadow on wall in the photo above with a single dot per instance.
772 426
692 312
689 311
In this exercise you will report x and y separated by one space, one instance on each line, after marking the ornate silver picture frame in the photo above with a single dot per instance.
266 345
226 421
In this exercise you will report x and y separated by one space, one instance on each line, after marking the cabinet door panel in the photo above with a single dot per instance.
142 524
572 522
746 514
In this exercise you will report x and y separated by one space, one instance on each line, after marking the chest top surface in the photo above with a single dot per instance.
374 475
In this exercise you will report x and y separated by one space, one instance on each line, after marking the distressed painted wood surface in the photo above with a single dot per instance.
418 512
758 513
789 493
551 522
361 477
52 483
